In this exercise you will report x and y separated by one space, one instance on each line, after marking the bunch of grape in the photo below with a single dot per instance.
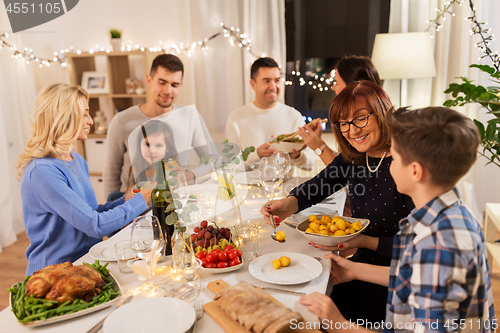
206 236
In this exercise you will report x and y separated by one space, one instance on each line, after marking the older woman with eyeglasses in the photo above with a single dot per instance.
358 114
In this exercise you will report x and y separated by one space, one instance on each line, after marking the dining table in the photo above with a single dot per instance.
251 197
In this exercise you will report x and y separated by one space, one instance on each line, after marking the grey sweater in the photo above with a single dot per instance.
189 132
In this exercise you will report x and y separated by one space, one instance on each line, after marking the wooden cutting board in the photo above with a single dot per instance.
227 323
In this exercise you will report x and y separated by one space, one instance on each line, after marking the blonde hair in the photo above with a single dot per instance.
55 123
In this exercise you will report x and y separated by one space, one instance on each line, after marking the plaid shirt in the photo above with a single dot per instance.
440 279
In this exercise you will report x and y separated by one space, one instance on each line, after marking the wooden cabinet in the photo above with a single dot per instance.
118 66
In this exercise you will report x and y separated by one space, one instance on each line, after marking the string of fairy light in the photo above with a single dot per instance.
477 28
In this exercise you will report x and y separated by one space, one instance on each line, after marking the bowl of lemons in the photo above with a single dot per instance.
331 230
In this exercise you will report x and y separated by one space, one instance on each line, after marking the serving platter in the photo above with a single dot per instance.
228 324
80 313
331 240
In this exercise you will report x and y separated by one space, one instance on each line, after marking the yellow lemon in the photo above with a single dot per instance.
313 218
357 225
276 263
324 232
284 261
339 233
280 235
309 230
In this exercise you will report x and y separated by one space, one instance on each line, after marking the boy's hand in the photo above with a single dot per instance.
343 270
323 307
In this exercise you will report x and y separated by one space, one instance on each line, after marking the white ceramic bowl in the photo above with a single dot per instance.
287 146
331 240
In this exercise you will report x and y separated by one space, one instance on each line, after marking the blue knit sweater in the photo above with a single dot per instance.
61 215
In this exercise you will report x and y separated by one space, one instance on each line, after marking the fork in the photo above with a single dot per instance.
198 308
276 289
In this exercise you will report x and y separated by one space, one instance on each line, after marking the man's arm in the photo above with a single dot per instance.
113 161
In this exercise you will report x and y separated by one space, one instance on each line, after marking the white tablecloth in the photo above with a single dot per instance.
250 211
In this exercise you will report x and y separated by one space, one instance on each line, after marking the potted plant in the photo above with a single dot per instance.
116 39
487 97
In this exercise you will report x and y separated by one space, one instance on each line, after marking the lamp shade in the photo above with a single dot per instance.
404 55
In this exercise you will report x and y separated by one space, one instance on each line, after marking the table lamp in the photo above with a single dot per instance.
404 56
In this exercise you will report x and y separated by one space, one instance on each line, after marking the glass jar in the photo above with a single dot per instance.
100 123
182 247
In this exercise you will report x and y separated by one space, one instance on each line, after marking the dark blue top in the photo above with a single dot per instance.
373 196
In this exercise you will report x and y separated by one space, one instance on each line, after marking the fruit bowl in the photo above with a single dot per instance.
331 240
287 146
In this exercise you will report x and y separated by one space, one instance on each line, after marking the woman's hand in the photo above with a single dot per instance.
281 209
312 138
343 270
265 150
323 307
360 241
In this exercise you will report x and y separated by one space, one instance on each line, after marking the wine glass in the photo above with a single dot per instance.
270 174
284 164
147 241
178 185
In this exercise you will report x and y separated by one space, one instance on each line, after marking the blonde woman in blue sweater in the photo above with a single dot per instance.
61 215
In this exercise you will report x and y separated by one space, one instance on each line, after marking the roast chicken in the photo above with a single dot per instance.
254 309
65 282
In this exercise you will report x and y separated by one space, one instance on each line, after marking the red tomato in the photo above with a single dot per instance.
222 256
204 262
217 250
232 254
239 253
212 257
234 262
222 264
201 255
211 265
229 248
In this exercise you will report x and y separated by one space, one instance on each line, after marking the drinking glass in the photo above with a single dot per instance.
270 174
284 164
179 187
147 240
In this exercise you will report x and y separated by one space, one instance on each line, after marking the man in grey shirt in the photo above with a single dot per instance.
189 129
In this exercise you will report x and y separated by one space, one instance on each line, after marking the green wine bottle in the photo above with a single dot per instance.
161 199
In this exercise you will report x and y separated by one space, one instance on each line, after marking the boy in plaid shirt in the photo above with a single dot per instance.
439 278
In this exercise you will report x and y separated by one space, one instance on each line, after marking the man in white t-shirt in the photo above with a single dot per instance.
189 129
255 123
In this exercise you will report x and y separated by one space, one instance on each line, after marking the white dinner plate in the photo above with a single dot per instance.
194 190
249 177
302 268
104 251
157 314
319 209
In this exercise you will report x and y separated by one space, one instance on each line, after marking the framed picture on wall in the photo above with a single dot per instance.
95 82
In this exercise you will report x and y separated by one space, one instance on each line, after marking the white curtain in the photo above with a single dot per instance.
17 93
216 81
455 51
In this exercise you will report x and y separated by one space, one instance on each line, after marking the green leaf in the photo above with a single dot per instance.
491 130
485 68
205 160
173 173
480 128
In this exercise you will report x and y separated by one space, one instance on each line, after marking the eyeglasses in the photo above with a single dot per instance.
359 122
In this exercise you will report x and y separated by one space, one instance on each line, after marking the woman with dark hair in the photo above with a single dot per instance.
358 114
349 69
